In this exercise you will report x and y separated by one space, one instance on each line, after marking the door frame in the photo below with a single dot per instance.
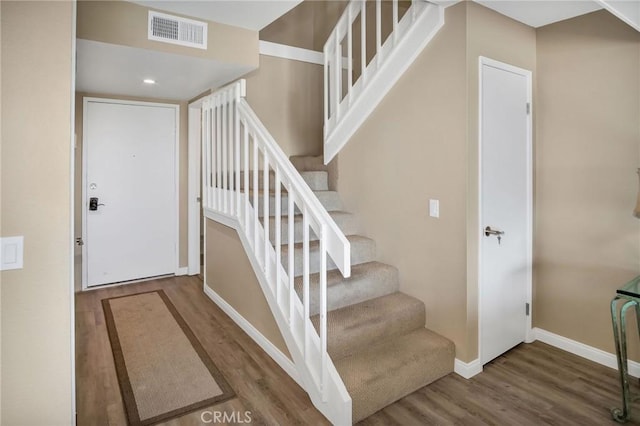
529 170
176 154
194 205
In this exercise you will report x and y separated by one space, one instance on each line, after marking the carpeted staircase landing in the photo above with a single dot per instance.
376 335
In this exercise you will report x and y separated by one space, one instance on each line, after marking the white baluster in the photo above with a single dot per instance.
265 217
326 85
290 253
278 230
323 309
394 5
225 156
349 53
378 31
231 148
363 40
256 208
218 182
305 277
338 78
246 175
236 134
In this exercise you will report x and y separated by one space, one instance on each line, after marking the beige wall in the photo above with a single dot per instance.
125 23
307 25
588 146
230 275
396 162
497 37
36 179
413 148
287 97
183 177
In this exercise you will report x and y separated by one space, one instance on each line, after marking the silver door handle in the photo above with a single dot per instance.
488 231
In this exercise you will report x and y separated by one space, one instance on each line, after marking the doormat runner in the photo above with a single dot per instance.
163 370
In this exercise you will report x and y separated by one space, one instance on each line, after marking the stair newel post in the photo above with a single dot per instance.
218 142
305 278
246 174
325 86
290 251
236 135
278 235
265 213
206 156
323 310
256 207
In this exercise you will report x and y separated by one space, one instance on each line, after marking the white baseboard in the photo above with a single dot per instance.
585 351
467 370
281 359
182 271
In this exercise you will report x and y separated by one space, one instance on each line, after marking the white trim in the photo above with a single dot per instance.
467 369
276 354
176 177
529 232
289 52
72 203
194 209
184 270
585 351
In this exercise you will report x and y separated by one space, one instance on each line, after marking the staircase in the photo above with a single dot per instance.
358 344
376 334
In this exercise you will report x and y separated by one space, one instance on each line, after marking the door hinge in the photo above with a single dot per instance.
526 309
79 241
528 108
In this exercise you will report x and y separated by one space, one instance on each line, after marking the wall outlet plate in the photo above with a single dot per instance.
11 253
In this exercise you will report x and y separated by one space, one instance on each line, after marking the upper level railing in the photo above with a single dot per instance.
368 36
248 179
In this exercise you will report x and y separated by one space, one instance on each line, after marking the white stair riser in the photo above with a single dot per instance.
330 200
362 251
317 180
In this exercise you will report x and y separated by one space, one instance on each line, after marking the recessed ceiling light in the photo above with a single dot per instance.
149 81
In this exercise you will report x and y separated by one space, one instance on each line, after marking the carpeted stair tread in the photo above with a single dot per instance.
367 323
345 221
367 281
381 374
363 250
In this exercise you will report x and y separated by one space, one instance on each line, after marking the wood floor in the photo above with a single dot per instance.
533 384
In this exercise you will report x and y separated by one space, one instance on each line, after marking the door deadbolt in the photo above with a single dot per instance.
93 203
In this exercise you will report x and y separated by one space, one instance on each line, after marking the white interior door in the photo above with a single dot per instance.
505 207
130 167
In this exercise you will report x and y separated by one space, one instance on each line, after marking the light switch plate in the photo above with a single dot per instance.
11 253
434 208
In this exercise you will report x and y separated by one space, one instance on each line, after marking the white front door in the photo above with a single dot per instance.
505 207
130 219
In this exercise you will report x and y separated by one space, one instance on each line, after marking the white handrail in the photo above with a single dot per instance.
236 145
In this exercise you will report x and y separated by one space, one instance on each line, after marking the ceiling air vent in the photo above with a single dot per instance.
177 30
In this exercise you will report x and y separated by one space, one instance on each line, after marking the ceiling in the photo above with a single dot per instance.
537 13
119 70
250 14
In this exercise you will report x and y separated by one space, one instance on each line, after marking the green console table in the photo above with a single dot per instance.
630 295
